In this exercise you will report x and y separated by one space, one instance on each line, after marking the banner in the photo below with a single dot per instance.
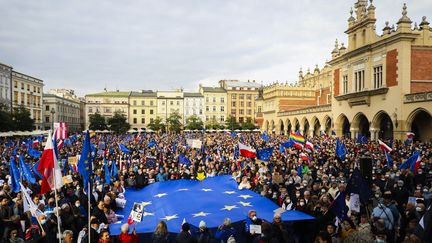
137 211
196 143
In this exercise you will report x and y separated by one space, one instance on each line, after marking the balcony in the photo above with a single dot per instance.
418 97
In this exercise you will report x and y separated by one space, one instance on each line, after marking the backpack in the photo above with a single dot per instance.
231 239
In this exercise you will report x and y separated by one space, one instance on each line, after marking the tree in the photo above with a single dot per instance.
248 125
173 122
156 124
97 122
214 124
118 123
194 123
22 120
6 123
231 123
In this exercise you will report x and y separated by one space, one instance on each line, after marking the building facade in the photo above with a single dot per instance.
27 92
241 99
215 104
380 85
62 105
5 85
193 105
169 102
142 108
107 103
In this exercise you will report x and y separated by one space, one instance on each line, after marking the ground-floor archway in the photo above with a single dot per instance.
384 125
420 123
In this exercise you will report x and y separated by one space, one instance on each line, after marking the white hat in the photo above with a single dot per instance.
202 224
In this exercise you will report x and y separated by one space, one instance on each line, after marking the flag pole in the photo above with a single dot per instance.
89 208
56 201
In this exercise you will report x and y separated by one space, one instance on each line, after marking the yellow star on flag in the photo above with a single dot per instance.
229 208
147 214
229 192
207 189
245 204
161 195
245 196
146 203
168 218
200 214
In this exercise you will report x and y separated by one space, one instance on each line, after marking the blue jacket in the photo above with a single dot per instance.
225 233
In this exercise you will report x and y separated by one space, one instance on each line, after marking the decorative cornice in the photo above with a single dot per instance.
309 110
361 94
418 97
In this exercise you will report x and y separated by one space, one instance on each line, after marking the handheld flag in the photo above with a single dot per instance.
389 160
49 168
410 162
297 137
265 137
29 204
14 175
410 135
357 184
26 172
247 151
34 169
124 149
265 154
384 146
184 160
107 173
309 146
339 207
340 150
85 162
114 170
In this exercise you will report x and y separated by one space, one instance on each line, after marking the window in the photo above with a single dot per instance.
171 102
15 84
90 110
207 118
345 84
234 104
134 102
200 112
214 108
151 120
222 100
134 121
233 112
163 102
249 97
38 90
241 111
22 85
222 118
241 119
378 79
142 111
47 119
233 96
178 102
222 108
142 102
151 112
134 111
151 102
214 99
142 120
107 110
241 96
359 80
207 99
28 87
207 108
249 112
47 108
259 109
241 103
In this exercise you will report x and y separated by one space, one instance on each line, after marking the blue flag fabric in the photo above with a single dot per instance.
166 201
265 154
175 148
333 133
184 160
338 207
233 134
15 175
55 146
357 184
34 153
67 142
152 144
285 145
114 170
410 162
389 159
34 169
340 150
265 137
362 139
124 149
26 172
300 171
236 152
85 162
107 173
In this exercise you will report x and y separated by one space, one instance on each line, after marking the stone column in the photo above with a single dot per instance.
354 133
374 133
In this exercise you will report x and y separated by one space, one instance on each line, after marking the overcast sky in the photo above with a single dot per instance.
162 45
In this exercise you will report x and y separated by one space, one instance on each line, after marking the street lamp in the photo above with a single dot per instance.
52 118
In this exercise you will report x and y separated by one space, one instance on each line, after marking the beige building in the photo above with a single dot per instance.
5 85
107 103
241 99
169 102
193 106
62 105
215 104
27 91
142 108
380 85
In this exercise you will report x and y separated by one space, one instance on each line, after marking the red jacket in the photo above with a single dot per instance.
128 238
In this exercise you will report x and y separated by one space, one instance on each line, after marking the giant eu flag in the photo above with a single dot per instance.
85 162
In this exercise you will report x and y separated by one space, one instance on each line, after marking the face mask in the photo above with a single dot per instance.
254 218
297 195
288 201
77 205
302 204
379 241
323 190
418 209
43 221
377 195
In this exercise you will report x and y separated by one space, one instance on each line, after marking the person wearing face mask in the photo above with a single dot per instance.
79 213
34 233
401 194
251 219
288 204
98 212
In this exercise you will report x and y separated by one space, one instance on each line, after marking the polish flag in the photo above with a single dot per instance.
417 164
61 130
49 168
410 135
384 146
309 145
35 143
304 157
247 151
298 146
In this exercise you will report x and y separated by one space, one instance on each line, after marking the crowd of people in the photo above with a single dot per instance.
399 197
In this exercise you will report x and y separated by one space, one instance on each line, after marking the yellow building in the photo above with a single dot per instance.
379 86
241 99
215 105
27 92
107 103
169 102
142 108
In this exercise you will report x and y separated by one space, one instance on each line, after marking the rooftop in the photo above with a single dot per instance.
187 94
143 93
247 84
110 94
213 89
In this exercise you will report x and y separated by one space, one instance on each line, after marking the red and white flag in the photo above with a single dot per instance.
35 143
309 146
410 135
298 146
304 157
49 168
247 151
60 130
384 146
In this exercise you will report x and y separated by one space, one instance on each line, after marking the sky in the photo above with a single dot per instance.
169 44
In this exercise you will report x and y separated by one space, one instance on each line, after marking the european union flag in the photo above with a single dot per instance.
285 145
114 170
410 162
26 172
9 144
85 162
236 152
265 137
265 154
340 150
124 149
15 175
55 146
389 159
175 148
233 134
184 160
211 200
33 152
300 171
152 144
107 173
150 161
358 185
339 207
362 139
34 169
67 142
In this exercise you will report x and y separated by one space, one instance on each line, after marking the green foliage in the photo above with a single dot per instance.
22 120
231 123
97 122
156 125
214 124
118 123
173 122
6 123
248 125
194 123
